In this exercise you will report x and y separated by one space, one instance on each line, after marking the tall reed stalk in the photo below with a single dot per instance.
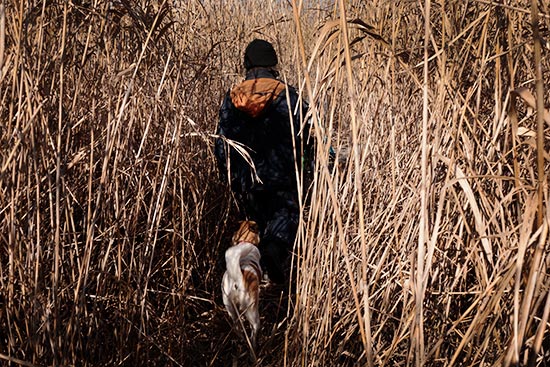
424 235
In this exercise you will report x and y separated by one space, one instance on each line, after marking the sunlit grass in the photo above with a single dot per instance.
113 220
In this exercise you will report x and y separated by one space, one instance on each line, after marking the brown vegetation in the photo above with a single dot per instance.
426 243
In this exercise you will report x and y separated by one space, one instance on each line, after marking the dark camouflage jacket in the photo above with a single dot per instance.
256 113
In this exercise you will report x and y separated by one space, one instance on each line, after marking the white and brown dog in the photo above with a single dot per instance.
241 281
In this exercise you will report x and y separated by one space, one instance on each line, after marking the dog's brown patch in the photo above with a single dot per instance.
248 232
251 281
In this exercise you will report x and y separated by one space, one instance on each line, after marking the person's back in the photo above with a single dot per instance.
265 116
256 114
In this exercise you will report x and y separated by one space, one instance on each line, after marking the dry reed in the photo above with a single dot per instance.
425 242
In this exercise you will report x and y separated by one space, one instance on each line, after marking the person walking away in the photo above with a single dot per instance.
267 118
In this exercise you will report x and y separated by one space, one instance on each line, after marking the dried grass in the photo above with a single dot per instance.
425 241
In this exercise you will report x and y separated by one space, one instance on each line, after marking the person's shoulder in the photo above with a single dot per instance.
287 87
226 110
226 102
291 88
289 94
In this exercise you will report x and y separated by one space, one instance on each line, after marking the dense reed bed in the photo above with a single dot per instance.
425 242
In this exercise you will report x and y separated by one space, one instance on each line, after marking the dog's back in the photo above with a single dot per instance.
241 281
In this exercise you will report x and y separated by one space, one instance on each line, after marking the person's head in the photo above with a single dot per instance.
260 53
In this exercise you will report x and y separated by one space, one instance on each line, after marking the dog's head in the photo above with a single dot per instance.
248 232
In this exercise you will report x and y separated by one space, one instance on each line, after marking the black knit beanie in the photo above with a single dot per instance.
259 53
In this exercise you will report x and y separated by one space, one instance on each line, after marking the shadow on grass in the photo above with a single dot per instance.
211 340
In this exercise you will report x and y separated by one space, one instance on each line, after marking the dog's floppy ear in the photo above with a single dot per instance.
235 238
237 232
253 226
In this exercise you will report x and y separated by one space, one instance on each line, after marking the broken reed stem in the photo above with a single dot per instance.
540 111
